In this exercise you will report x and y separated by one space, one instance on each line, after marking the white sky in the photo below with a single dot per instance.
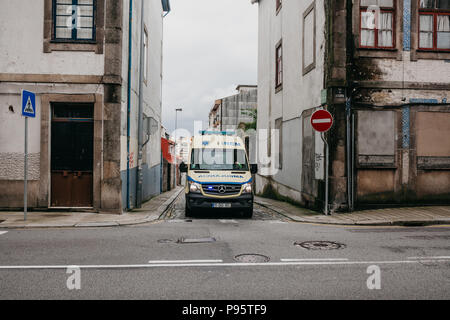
210 46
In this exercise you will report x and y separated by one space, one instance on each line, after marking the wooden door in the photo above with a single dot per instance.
72 155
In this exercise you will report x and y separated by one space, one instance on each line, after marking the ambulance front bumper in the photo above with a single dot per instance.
199 201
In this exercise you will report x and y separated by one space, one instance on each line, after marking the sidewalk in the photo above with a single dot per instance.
378 217
151 211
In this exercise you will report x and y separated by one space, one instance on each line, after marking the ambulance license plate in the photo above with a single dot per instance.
221 205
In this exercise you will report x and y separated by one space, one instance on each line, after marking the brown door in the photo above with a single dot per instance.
72 155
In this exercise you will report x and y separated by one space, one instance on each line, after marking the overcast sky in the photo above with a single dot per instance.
210 46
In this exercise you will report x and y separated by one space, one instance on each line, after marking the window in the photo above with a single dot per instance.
278 5
309 39
279 65
73 20
434 25
219 159
377 24
145 55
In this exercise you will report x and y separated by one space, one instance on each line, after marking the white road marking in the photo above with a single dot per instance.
321 121
228 221
198 265
183 261
304 260
427 258
3 232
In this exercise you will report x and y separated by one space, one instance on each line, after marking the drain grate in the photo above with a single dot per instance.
196 240
251 258
320 245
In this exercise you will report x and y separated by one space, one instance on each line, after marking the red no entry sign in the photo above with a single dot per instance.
321 120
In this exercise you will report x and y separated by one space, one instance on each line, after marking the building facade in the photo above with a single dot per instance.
381 68
182 148
230 112
169 162
97 75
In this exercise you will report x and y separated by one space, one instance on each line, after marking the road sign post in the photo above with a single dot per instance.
28 111
322 121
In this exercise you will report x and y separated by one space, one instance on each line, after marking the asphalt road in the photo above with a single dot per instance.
178 258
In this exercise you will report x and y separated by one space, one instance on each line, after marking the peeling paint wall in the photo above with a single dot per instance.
404 86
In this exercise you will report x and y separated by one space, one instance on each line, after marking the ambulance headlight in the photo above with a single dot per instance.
195 187
247 188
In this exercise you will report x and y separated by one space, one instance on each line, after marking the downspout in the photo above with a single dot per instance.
221 115
161 170
139 176
130 42
348 106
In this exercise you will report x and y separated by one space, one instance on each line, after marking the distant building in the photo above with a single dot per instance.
182 148
230 112
88 147
169 162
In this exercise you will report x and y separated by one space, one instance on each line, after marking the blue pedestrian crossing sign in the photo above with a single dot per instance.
28 104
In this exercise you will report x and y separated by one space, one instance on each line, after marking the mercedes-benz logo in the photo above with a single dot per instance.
222 189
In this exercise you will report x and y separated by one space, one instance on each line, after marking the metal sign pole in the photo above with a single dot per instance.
28 111
326 172
25 193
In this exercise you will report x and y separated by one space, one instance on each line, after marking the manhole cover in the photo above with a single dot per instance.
166 241
251 258
320 245
196 240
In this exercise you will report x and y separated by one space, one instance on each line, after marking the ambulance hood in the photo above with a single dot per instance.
219 177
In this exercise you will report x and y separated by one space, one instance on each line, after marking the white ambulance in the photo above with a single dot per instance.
218 174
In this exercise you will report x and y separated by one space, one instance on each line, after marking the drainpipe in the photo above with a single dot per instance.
130 42
221 115
350 143
139 175
161 172
350 148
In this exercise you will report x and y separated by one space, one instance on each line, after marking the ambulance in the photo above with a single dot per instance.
218 174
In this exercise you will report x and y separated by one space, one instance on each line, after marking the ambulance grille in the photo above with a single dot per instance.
221 189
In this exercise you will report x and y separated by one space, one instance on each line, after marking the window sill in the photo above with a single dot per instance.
73 41
377 49
429 54
390 53
434 50
56 45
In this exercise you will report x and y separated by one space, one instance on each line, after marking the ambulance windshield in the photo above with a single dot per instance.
218 159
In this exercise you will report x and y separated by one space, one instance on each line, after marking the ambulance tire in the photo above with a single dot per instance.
248 213
187 211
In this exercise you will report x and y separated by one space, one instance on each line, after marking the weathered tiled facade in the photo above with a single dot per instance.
383 75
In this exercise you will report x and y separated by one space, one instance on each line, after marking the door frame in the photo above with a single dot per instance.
45 167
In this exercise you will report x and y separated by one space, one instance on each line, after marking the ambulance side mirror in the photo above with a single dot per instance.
183 167
253 168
